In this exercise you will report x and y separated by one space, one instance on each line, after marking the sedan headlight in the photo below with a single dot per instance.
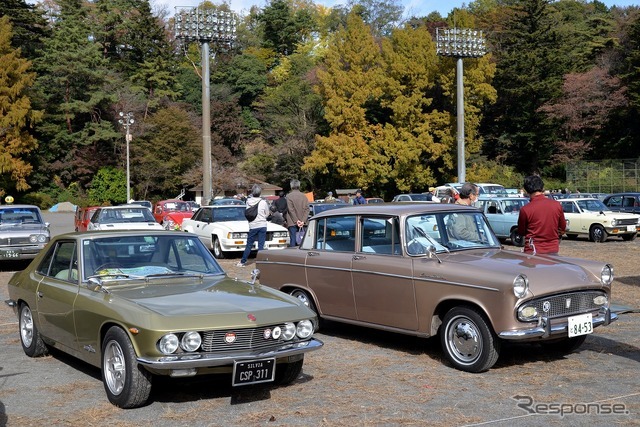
37 238
527 313
304 329
191 341
520 286
168 344
614 222
606 275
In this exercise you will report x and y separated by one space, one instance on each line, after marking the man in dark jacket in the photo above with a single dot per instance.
297 211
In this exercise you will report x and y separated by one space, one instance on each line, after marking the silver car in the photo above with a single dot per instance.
23 232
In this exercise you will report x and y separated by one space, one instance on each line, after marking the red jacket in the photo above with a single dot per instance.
541 222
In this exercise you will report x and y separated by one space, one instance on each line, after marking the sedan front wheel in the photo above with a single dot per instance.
468 340
128 385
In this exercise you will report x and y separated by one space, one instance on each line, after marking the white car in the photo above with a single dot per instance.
124 217
591 217
224 228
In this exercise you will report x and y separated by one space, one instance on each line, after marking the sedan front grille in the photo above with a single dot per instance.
565 305
15 241
245 339
626 221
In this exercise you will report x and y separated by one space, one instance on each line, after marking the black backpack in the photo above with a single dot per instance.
251 212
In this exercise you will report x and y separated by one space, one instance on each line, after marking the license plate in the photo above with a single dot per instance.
253 372
9 254
631 228
580 325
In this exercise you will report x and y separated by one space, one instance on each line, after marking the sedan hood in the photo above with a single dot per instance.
546 274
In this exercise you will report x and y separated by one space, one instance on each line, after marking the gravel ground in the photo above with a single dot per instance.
361 377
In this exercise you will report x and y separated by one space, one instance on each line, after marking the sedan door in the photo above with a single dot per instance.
382 278
328 265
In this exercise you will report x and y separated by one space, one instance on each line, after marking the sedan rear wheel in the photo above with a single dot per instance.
128 385
468 340
218 253
597 233
30 338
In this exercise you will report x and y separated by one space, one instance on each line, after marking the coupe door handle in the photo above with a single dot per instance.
40 294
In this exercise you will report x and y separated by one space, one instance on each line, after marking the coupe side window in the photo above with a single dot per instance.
61 262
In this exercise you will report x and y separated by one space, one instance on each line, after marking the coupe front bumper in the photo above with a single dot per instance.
207 360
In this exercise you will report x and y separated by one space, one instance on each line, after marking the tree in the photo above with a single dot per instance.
73 88
17 117
109 186
284 27
29 27
382 16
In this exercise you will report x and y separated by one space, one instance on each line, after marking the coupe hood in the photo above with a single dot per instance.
190 297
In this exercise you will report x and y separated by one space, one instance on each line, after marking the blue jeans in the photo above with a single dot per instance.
261 235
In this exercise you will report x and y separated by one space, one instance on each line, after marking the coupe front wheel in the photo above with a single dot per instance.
468 340
128 384
597 233
30 338
218 253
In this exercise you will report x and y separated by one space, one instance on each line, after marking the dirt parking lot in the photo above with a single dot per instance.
361 377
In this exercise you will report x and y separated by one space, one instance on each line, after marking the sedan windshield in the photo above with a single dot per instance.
448 231
112 216
144 256
592 205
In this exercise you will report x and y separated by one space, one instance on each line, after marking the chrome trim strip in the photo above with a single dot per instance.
420 279
214 359
544 329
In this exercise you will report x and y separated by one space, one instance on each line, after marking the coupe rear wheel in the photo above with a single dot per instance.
128 384
30 338
468 340
286 373
217 249
597 233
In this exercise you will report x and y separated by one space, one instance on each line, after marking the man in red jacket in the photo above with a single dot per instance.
541 221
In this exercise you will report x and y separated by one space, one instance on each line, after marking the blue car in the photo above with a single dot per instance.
502 213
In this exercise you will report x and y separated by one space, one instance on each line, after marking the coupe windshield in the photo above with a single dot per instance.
143 256
448 231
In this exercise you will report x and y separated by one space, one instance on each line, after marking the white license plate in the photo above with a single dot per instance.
580 325
253 372
9 254
631 228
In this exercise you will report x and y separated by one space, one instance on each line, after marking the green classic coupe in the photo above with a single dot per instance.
139 304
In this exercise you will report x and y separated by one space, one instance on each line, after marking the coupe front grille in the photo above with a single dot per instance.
246 339
565 305
626 221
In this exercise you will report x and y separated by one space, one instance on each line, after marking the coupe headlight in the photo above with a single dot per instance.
289 331
304 329
168 344
606 275
520 286
191 341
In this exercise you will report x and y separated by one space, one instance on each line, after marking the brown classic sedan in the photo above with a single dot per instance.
433 269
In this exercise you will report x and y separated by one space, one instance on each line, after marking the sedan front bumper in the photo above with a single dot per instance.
206 360
544 328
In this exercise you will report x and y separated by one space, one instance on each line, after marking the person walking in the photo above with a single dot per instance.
257 226
297 211
541 221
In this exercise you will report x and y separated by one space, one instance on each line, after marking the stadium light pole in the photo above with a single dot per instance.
126 120
460 43
205 26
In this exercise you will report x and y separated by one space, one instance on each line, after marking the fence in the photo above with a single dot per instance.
604 176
